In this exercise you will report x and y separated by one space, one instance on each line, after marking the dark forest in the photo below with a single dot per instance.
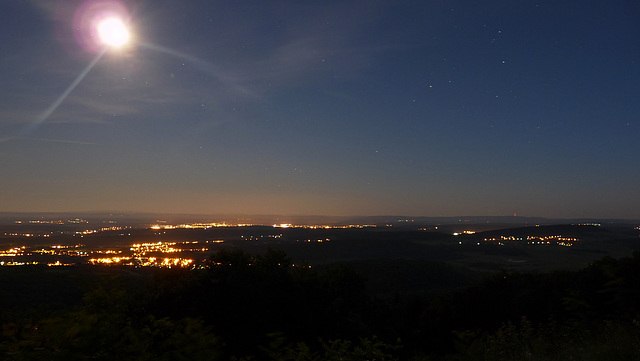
244 306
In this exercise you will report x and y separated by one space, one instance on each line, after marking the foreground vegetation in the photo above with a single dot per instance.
263 307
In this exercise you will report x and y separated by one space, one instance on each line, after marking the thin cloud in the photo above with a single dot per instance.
56 140
324 42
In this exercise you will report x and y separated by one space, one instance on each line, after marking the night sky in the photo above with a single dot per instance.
417 108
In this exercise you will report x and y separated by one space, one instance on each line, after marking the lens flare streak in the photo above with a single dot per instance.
52 108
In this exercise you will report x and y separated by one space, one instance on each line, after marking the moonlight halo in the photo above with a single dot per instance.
100 24
113 32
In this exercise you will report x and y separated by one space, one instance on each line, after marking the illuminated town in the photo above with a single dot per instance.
163 254
164 245
139 255
535 240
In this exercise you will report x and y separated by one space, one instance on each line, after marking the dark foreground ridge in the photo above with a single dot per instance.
244 306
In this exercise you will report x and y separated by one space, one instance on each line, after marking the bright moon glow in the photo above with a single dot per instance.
113 32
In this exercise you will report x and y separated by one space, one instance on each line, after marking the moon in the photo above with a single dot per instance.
113 32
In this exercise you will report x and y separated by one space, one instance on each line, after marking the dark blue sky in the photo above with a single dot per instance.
423 108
